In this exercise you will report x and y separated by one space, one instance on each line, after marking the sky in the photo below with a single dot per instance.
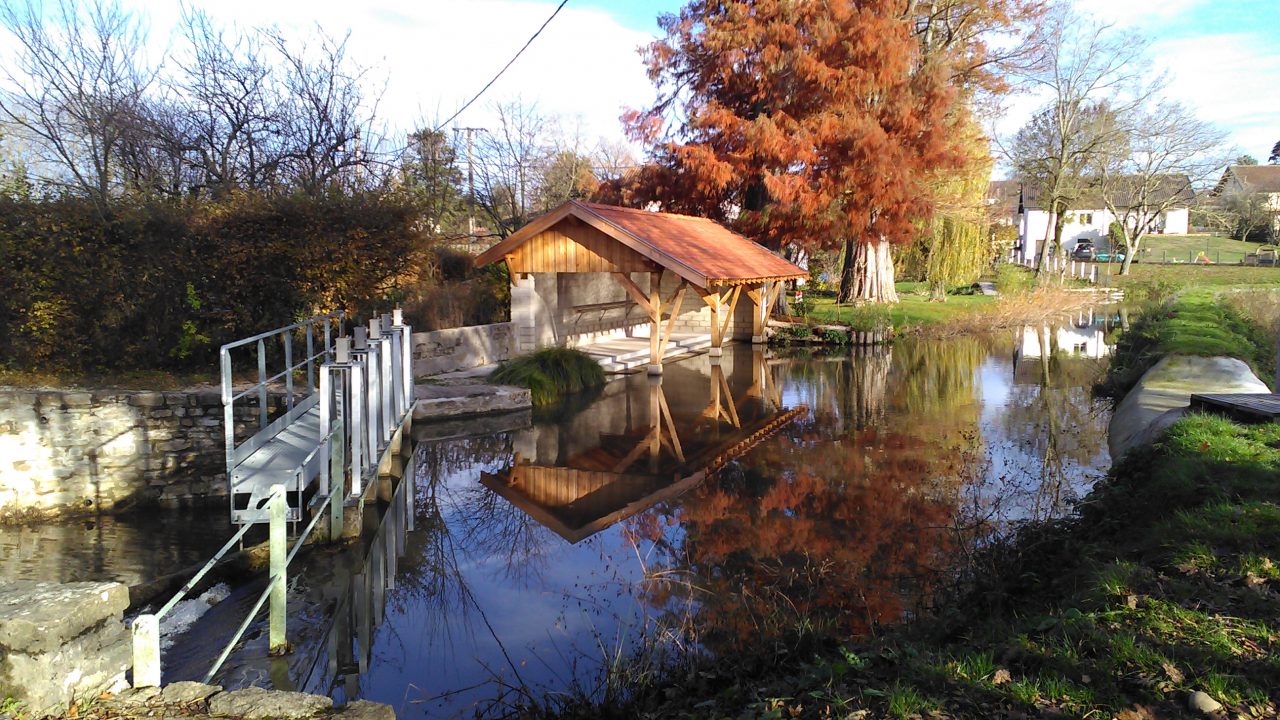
433 55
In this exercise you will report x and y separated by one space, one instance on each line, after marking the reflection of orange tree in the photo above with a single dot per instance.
831 528
779 552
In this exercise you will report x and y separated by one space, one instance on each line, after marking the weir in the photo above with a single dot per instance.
315 460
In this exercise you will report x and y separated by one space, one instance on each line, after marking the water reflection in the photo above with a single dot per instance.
755 502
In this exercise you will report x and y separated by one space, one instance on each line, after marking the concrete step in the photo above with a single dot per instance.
632 354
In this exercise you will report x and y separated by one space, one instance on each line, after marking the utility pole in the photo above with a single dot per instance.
471 184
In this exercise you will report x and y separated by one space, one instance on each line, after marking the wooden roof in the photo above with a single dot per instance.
699 250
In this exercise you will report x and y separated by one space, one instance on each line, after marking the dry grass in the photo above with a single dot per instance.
1035 307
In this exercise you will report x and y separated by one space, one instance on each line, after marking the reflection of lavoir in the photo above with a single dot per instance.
651 458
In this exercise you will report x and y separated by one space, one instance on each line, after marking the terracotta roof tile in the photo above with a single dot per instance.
705 246
697 249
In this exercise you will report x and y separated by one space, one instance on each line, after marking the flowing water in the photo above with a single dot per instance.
726 506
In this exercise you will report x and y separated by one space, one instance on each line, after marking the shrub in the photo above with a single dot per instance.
869 318
161 285
550 373
1014 279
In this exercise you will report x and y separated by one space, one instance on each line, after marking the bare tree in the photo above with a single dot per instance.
508 162
1094 76
325 117
77 88
233 114
1168 153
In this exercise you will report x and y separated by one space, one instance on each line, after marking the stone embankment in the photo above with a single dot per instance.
66 645
1164 394
95 450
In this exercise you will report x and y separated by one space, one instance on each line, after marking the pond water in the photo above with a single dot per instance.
712 512
718 510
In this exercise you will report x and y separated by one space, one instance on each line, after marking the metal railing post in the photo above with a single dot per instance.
311 353
357 426
278 551
262 384
338 486
288 369
228 424
406 358
146 651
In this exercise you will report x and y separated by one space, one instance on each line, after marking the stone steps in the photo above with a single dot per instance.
625 355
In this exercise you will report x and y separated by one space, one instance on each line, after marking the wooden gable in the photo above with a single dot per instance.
574 246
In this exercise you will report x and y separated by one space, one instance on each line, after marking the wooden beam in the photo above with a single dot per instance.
511 270
635 292
728 316
671 323
655 326
671 426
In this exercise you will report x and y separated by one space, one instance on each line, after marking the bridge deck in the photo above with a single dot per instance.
1258 407
280 460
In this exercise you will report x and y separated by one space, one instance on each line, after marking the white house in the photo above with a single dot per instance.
1260 180
1090 219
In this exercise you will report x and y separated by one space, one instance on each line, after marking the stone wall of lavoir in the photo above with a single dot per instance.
88 450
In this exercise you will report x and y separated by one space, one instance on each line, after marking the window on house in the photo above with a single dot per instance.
1086 218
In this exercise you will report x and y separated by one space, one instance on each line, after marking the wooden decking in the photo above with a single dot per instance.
1251 408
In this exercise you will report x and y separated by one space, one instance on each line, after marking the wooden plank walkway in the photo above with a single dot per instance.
1259 407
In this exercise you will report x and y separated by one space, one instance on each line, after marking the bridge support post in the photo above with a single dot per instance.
146 651
279 551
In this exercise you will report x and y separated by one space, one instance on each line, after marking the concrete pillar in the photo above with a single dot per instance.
523 304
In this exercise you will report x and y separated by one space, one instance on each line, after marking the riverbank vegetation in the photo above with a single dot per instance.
1157 598
1199 323
550 374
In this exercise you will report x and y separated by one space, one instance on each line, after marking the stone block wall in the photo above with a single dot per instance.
88 450
462 348
60 643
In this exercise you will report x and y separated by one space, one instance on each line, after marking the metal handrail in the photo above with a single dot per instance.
344 396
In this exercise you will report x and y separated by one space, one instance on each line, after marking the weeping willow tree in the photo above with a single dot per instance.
954 247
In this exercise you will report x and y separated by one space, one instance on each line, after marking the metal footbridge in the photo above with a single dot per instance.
303 442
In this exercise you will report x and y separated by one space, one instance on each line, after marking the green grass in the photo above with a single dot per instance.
1185 248
1195 323
913 309
550 374
1190 276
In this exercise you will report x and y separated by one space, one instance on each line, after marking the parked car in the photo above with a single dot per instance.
1083 250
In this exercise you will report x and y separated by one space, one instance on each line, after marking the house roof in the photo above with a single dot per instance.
1257 178
1004 196
1169 187
697 249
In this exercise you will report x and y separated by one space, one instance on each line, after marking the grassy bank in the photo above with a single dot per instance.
1163 590
1195 323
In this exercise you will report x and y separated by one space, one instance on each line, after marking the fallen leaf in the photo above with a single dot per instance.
1000 677
1173 672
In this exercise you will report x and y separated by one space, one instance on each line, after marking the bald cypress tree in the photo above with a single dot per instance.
796 122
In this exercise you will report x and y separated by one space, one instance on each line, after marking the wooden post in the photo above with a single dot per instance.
655 325
759 297
717 336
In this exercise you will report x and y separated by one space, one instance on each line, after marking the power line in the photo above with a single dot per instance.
504 67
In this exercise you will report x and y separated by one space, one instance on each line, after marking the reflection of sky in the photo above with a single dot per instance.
575 599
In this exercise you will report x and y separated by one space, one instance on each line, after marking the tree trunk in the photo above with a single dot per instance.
1130 249
1042 254
867 275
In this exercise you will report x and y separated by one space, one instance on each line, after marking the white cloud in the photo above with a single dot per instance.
1231 80
436 54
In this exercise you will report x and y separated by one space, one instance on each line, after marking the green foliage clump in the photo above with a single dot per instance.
550 373
1014 279
1193 324
160 285
868 318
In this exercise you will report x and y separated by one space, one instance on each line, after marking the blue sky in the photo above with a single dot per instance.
1223 56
